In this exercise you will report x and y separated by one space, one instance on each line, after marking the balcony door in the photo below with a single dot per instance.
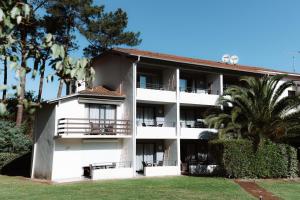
146 115
102 112
148 81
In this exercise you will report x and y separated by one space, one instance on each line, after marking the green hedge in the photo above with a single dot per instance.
13 142
12 138
239 160
6 158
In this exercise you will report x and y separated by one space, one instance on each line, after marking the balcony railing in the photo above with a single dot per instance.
197 90
154 86
88 126
199 123
160 163
111 165
155 123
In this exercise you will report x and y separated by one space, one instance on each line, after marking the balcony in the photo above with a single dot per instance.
156 130
196 130
198 97
154 93
93 128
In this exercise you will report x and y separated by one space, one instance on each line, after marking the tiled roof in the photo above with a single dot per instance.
195 61
100 91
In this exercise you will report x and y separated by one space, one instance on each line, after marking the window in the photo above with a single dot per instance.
146 114
143 81
183 85
291 93
105 112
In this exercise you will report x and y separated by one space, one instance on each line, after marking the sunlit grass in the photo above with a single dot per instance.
139 188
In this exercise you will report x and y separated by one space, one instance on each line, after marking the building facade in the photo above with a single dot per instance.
143 116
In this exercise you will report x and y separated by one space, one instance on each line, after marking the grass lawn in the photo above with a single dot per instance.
282 188
141 188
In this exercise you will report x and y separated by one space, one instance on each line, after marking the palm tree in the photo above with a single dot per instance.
258 109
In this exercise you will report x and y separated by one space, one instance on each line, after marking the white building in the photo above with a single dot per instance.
143 116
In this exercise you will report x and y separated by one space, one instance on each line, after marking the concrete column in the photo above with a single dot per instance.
134 66
221 84
178 117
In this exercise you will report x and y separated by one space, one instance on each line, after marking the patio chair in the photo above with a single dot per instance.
94 129
160 163
109 130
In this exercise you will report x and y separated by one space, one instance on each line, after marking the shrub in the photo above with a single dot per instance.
6 158
12 138
238 159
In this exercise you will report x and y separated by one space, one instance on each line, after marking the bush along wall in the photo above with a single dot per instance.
13 142
238 159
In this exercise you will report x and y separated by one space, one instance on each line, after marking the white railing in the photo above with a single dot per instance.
93 126
155 123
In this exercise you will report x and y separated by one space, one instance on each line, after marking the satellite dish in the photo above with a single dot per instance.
226 58
234 59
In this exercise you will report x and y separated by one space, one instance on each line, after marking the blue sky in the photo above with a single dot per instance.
261 32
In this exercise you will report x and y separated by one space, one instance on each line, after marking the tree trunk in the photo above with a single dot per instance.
4 78
60 87
22 83
42 76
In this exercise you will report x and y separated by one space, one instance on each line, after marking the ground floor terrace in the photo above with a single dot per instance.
182 187
115 158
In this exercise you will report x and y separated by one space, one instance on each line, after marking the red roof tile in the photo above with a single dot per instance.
195 61
101 91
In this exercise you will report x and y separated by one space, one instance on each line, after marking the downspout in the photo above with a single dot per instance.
134 71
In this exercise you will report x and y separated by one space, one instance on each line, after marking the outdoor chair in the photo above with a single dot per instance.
109 130
160 163
94 129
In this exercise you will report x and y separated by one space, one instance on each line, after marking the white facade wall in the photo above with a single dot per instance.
150 95
116 173
198 99
70 156
149 132
69 108
161 171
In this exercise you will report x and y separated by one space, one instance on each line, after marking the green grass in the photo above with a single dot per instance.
140 188
286 189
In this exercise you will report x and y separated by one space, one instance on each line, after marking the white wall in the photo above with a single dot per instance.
70 108
71 155
116 173
170 112
170 150
155 132
126 151
150 95
115 72
198 99
161 171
